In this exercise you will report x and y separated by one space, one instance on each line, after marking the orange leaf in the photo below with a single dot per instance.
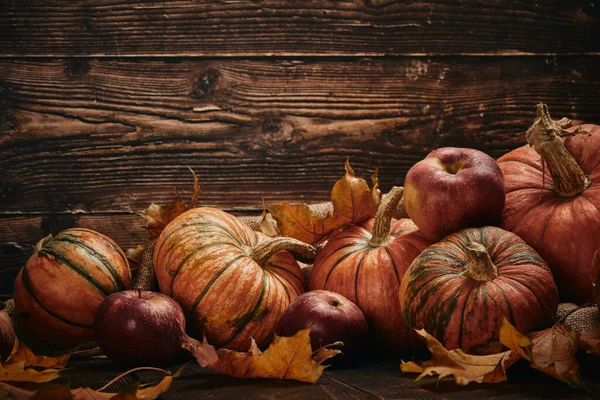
464 367
286 358
353 201
553 353
515 340
158 217
17 372
25 355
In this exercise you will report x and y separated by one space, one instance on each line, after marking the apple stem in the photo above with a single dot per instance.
265 250
383 218
139 293
480 266
164 371
545 136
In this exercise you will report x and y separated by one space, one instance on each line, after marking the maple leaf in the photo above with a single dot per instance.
464 367
17 372
553 352
29 359
286 358
590 341
353 201
157 217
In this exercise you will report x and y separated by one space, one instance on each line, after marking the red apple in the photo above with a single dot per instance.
333 318
453 188
136 328
7 334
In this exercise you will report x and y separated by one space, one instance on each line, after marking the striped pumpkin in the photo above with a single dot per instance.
459 289
233 283
59 289
366 263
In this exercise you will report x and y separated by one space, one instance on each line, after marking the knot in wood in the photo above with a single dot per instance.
206 83
77 67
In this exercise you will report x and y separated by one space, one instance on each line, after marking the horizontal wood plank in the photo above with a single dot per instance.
113 136
297 28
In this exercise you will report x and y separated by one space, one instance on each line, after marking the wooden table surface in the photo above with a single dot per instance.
370 380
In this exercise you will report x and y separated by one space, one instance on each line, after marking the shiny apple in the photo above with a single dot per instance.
453 188
333 318
139 328
7 334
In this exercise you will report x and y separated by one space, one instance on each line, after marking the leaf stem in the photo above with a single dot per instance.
164 371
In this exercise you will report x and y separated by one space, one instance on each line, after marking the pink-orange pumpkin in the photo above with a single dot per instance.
553 201
234 284
366 263
63 283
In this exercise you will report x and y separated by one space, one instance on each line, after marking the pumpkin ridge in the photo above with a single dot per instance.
287 292
389 254
212 280
106 240
188 257
528 288
29 289
510 311
512 229
358 265
193 224
593 205
271 266
119 284
244 320
550 216
338 261
462 312
50 252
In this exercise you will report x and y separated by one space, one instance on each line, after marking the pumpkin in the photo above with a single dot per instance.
553 202
59 289
459 289
234 284
365 263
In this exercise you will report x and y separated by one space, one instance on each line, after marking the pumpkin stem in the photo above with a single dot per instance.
545 136
383 218
265 250
479 264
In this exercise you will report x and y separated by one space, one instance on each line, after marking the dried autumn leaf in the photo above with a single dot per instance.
464 367
553 353
353 201
16 372
595 275
267 224
590 341
286 358
25 355
157 217
12 392
515 340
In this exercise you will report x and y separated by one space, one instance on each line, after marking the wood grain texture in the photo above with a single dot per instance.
111 135
299 28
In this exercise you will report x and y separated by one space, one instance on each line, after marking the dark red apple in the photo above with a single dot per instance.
453 188
7 334
333 318
139 328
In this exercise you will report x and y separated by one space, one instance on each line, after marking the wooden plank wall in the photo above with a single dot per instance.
97 99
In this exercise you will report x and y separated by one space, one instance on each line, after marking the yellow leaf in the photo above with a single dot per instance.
158 217
464 367
353 201
152 392
25 355
286 358
16 372
515 340
553 353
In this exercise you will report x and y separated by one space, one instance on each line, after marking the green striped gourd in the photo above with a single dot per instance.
459 289
233 283
59 289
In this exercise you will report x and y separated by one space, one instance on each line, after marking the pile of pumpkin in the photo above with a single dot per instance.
485 240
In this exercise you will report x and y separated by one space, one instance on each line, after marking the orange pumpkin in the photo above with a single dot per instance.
459 289
59 289
366 263
233 283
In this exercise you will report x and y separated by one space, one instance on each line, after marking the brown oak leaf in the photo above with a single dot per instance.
286 358
353 201
553 353
157 217
464 367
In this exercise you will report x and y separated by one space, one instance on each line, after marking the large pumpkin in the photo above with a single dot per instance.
553 200
59 289
459 289
365 263
233 283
